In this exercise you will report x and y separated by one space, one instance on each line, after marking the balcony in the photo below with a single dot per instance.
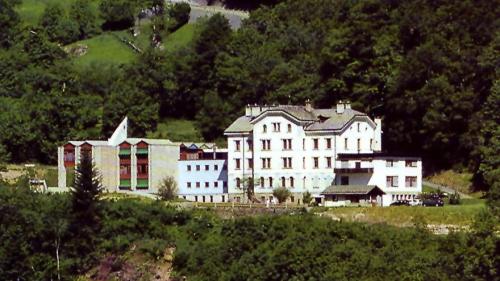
354 168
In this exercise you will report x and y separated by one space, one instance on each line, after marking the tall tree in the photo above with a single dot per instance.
9 21
85 205
84 16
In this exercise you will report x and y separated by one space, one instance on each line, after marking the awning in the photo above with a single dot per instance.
352 189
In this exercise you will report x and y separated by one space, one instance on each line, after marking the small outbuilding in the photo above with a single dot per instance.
342 195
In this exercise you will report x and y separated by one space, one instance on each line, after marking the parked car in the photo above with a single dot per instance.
433 201
401 203
415 202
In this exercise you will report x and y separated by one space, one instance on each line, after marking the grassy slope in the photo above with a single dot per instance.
177 130
105 48
31 10
180 37
449 214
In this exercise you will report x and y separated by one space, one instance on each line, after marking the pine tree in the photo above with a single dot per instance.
85 205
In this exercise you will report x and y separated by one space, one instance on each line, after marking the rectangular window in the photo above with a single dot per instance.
316 162
359 145
237 145
315 144
411 163
250 163
389 163
207 184
359 127
197 167
266 163
197 184
266 144
250 145
371 144
411 181
276 127
287 162
303 144
328 143
303 162
189 168
328 162
287 144
392 181
188 185
289 128
344 180
345 144
216 184
237 163
207 168
216 167
224 184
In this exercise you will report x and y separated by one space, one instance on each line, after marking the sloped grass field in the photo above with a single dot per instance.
460 215
30 11
177 130
105 48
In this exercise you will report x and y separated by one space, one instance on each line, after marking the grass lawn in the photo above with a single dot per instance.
106 49
177 130
180 38
30 11
461 215
45 172
461 182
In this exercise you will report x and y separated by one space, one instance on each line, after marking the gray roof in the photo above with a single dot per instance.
335 120
149 141
350 189
316 120
240 125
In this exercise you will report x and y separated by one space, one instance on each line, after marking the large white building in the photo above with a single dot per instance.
335 154
332 153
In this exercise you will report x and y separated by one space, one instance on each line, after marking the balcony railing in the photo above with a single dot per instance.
353 170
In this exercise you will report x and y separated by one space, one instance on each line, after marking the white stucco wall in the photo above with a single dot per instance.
202 176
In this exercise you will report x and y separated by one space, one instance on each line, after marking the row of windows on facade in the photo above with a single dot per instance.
277 127
393 181
204 198
207 167
286 163
287 144
206 185
262 182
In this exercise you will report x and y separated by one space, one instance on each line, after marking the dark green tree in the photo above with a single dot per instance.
179 15
118 14
9 21
86 209
84 16
57 26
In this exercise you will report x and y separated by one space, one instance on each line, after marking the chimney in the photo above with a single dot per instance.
248 110
377 145
340 107
347 105
308 106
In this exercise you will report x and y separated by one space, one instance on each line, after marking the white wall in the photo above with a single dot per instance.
202 176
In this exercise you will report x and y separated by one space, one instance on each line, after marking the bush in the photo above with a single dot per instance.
455 199
281 194
179 14
168 189
306 197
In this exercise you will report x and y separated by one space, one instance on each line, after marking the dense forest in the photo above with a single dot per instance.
429 68
45 237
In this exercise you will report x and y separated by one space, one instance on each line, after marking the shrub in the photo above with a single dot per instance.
455 199
168 189
179 14
306 197
281 194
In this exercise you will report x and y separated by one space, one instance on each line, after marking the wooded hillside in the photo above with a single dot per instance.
429 68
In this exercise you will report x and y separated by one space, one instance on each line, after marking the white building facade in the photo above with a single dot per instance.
307 149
